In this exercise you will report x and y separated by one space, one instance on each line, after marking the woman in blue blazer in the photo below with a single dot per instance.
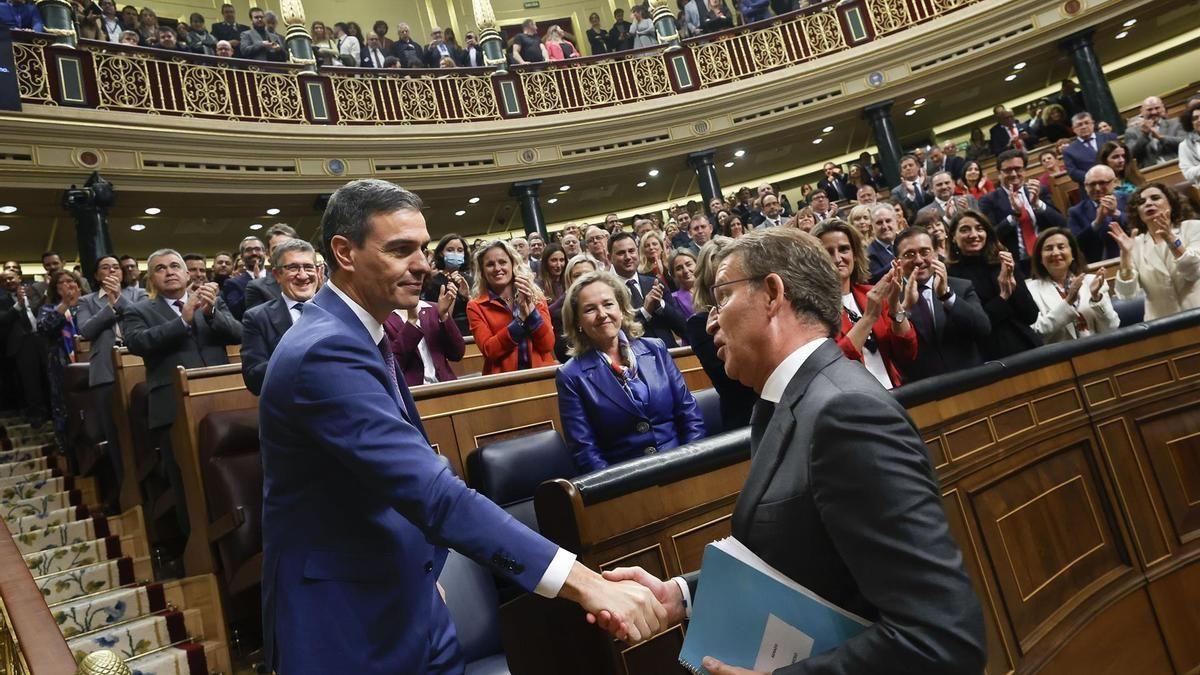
620 396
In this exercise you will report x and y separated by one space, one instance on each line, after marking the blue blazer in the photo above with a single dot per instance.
1078 157
234 292
1096 244
358 510
602 426
262 328
24 16
879 260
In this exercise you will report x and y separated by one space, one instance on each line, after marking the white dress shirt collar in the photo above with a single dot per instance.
373 327
782 375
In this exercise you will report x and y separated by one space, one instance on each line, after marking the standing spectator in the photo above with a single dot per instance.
380 29
652 257
222 268
644 33
526 47
570 244
230 30
1051 167
24 348
260 43
881 251
1008 133
21 15
437 49
508 315
1161 259
974 181
251 255
450 267
700 231
1071 303
596 240
717 17
148 27
1116 156
977 145
620 37
655 307
110 22
1055 123
856 179
977 256
946 205
1019 208
834 185
558 48
199 40
294 268
374 54
471 56
552 280
129 272
1081 154
1089 218
349 49
57 326
754 10
536 246
1152 137
597 36
1189 149
411 54
1070 98
266 287
913 191
323 44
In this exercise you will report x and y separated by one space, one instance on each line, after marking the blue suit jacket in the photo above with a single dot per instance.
262 328
1096 244
357 510
879 260
602 426
21 16
234 292
1078 157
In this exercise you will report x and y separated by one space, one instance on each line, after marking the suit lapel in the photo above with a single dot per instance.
601 376
281 316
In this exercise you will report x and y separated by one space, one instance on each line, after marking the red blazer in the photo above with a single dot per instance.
492 324
893 348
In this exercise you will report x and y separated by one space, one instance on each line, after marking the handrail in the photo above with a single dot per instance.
31 640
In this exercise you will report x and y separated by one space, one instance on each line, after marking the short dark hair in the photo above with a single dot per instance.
255 9
194 256
1078 263
129 257
620 235
1011 154
908 233
229 5
218 254
47 254
349 211
908 155
1185 118
991 249
281 228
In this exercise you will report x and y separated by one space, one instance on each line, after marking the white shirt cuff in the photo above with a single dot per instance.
556 574
645 314
687 596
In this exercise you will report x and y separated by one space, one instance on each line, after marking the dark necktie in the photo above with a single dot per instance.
389 364
179 306
635 292
760 417
922 316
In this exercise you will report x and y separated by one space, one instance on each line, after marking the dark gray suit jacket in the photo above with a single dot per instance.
155 332
96 319
841 498
261 291
262 327
954 342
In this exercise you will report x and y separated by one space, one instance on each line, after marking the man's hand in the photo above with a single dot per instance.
942 286
654 299
206 296
666 592
111 285
715 667
1108 207
1033 190
633 614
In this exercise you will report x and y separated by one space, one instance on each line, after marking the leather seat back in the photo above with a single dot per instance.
1130 311
474 604
509 471
233 483
139 426
709 403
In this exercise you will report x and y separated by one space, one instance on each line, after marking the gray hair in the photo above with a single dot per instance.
882 206
160 253
1080 116
351 208
810 282
706 272
290 246
578 339
242 243
281 228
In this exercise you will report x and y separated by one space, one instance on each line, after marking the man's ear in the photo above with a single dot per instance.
343 251
776 299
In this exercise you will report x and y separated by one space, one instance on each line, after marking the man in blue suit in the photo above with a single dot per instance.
20 14
1089 218
357 507
233 291
880 252
1019 209
294 267
1080 155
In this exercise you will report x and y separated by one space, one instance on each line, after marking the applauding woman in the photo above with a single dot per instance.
875 326
56 323
508 315
620 396
1071 304
977 255
1163 261
450 267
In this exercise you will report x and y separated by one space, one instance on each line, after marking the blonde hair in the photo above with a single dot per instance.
643 261
706 272
519 266
580 342
576 260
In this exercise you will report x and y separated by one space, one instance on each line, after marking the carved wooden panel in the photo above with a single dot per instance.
1133 479
1013 421
1144 377
969 439
1187 365
689 544
1172 440
1058 405
937 454
998 651
1099 391
1176 599
650 559
1050 533
1123 638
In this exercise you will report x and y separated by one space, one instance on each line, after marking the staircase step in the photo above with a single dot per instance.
75 555
14 481
38 505
22 453
43 521
76 583
11 494
133 638
96 611
188 658
23 467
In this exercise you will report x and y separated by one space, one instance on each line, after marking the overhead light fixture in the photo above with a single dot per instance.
739 153
1010 77
272 212
8 209
256 226
827 129
653 173
1122 34
919 101
910 113
473 200
564 188
728 165
1129 23
137 227
817 141
460 212
1019 66
641 183
552 200
153 211
4 228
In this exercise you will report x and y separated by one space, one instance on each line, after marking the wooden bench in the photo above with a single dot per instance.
1069 477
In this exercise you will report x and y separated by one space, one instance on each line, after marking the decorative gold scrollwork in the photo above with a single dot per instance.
541 92
205 90
355 102
888 15
31 73
823 32
651 75
418 100
122 81
596 85
478 101
766 48
713 62
940 6
278 96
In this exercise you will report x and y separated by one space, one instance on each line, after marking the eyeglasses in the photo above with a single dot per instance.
296 268
912 254
719 301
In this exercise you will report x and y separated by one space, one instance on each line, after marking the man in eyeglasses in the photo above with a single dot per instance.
294 267
1019 209
1089 218
471 55
265 288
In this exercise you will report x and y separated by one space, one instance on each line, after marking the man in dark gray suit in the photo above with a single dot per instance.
840 496
98 319
260 42
266 288
176 328
24 350
294 266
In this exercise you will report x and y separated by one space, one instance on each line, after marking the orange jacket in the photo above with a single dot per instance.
492 324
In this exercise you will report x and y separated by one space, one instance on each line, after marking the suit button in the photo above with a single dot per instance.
651 450
643 427
428 567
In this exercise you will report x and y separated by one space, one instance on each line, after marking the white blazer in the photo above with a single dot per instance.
1170 285
1056 319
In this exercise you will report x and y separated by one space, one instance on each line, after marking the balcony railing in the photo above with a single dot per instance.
116 77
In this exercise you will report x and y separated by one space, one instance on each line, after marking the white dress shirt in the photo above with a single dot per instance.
293 308
556 574
349 46
873 360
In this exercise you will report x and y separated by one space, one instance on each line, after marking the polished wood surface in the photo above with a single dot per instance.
27 619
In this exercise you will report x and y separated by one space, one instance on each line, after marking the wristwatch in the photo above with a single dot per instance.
899 316
1178 243
947 296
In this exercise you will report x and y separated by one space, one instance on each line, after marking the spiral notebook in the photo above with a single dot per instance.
747 614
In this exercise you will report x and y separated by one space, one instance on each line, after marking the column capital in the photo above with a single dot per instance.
701 158
879 109
1083 38
525 188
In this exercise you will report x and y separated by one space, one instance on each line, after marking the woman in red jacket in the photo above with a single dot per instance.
508 315
875 326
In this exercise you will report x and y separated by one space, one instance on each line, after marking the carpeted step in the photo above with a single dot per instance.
21 454
76 583
74 555
83 615
11 494
43 521
39 506
132 638
23 478
23 467
187 658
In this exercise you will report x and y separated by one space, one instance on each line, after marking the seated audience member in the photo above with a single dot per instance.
1071 303
1056 125
1152 137
875 329
266 288
948 317
168 40
1115 156
130 38
1189 149
57 325
652 258
550 279
294 266
1051 167
450 266
224 49
913 192
977 256
655 308
1080 155
508 315
1018 209
259 42
620 396
974 181
251 255
1008 133
946 205
425 340
880 252
1161 259
1089 219
683 271
862 220
596 241
700 231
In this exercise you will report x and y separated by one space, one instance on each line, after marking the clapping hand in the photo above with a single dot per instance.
883 289
941 287
1160 227
1007 279
460 282
1108 207
1124 241
205 298
1097 287
446 301
1033 190
111 285
523 295
654 299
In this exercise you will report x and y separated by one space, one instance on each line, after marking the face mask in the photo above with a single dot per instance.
454 260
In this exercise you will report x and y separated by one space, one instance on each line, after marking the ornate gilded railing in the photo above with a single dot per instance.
115 77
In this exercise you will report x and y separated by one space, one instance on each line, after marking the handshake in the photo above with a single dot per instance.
628 602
